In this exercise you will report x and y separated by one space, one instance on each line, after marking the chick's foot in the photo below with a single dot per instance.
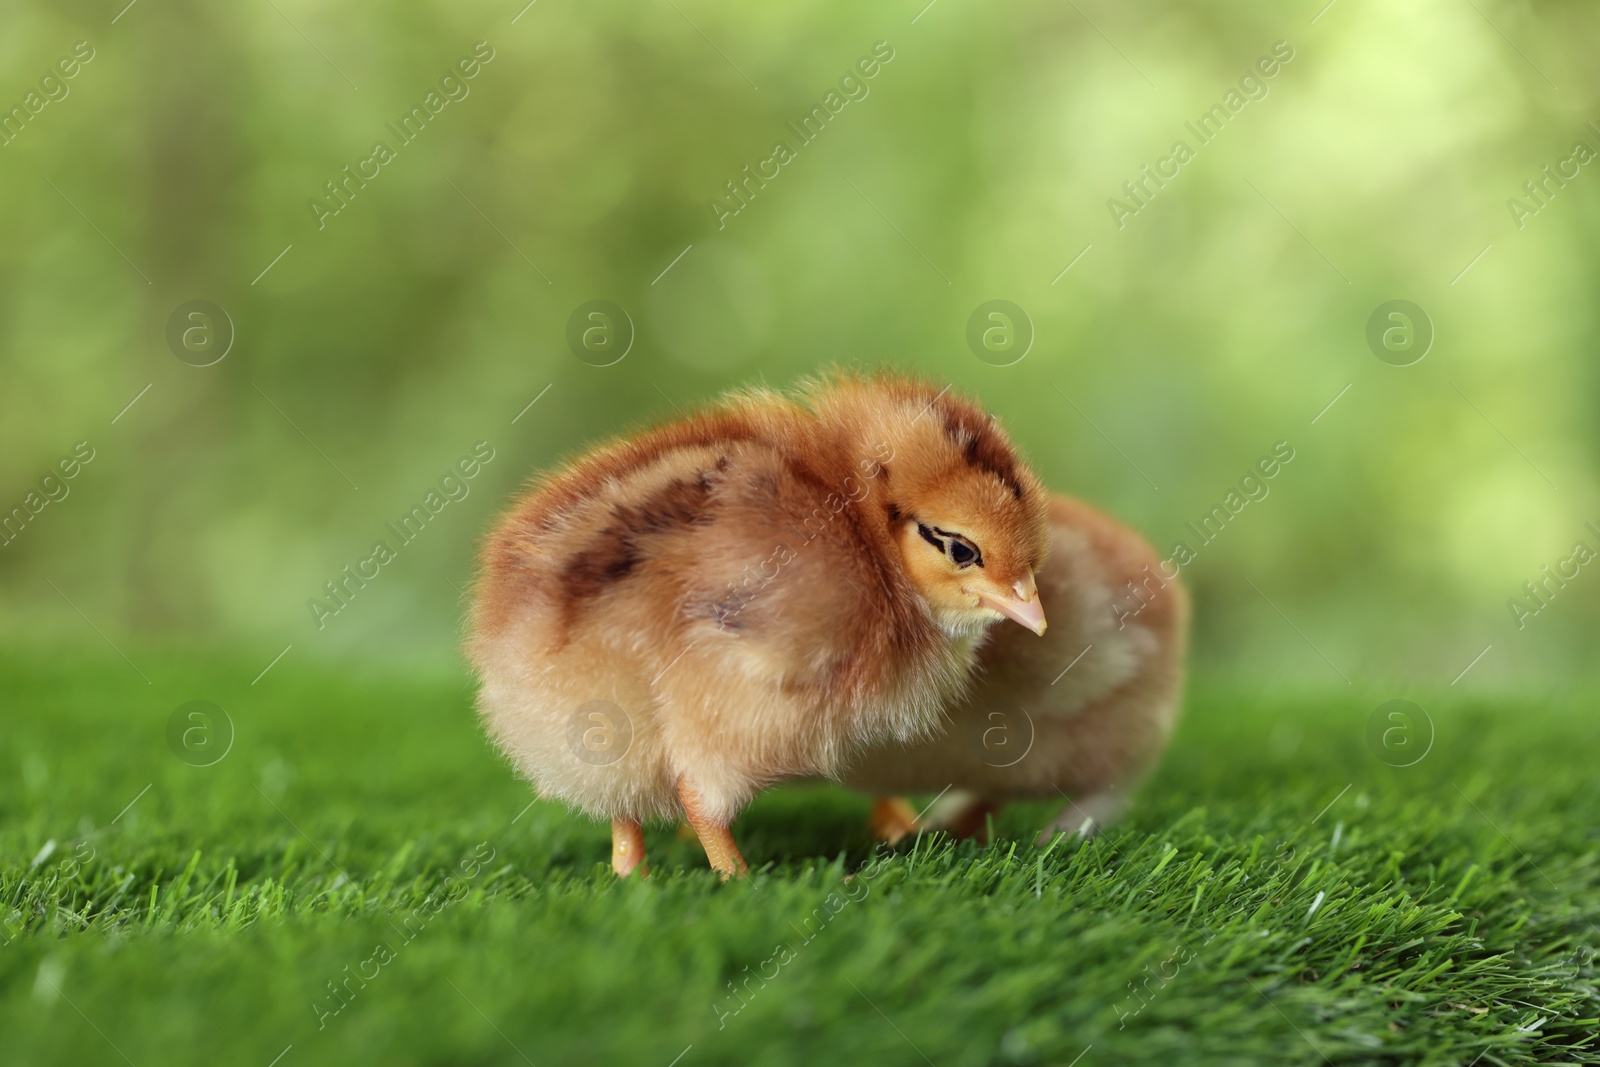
714 835
892 819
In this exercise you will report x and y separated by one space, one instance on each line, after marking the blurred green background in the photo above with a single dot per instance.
581 163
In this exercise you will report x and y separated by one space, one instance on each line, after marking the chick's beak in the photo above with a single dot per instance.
1020 605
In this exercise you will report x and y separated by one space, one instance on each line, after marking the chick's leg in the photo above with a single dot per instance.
627 848
971 819
961 814
892 819
714 835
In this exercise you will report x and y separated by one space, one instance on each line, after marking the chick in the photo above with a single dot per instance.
1082 714
677 619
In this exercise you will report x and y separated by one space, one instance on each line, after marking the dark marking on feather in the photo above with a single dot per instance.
725 611
763 484
568 490
981 446
622 545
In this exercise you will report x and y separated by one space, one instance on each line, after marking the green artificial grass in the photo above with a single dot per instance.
361 880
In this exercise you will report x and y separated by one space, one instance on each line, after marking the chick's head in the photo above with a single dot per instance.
971 522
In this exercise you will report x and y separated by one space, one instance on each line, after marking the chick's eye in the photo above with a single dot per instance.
954 547
963 553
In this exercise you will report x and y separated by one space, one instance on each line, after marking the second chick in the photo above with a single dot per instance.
1082 715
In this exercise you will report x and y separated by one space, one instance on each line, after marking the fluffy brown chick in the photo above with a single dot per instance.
679 618
1082 714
